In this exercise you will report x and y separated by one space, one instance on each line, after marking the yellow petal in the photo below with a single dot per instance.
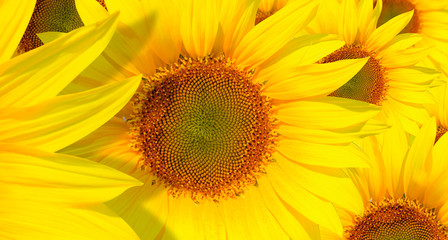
418 160
348 23
41 74
316 114
300 51
336 136
237 19
34 175
144 208
368 18
90 11
272 34
312 80
312 207
295 225
31 220
336 156
399 42
405 58
328 183
386 32
15 16
199 26
57 123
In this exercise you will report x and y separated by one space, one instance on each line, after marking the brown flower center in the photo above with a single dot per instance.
400 219
50 16
369 84
262 16
203 128
440 131
393 8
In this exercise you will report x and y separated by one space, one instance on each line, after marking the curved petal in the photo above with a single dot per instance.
34 175
41 74
272 34
386 32
57 123
334 156
199 26
15 17
312 80
312 207
31 220
316 114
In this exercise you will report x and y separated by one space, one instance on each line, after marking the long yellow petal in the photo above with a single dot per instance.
312 80
418 160
90 11
15 17
272 34
34 175
144 208
339 156
237 19
199 26
329 183
348 23
312 207
334 136
30 220
57 123
386 32
41 74
300 51
295 225
315 114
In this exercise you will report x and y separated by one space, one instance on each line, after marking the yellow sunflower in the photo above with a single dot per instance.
390 78
49 195
231 131
405 190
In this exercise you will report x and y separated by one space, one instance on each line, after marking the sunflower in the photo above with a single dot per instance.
390 78
50 16
404 192
46 194
230 129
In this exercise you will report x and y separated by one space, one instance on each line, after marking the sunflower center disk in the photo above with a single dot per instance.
440 131
393 8
397 219
203 128
369 84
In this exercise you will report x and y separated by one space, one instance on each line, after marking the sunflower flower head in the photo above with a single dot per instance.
204 128
392 78
404 192
228 114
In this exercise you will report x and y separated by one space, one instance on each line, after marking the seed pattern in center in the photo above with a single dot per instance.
203 128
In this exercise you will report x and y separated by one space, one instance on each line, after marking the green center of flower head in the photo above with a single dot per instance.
203 128
393 8
369 84
397 219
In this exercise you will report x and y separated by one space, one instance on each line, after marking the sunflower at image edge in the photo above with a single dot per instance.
44 194
390 79
405 190
234 138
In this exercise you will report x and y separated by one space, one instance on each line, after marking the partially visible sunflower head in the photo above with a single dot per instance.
50 16
391 79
